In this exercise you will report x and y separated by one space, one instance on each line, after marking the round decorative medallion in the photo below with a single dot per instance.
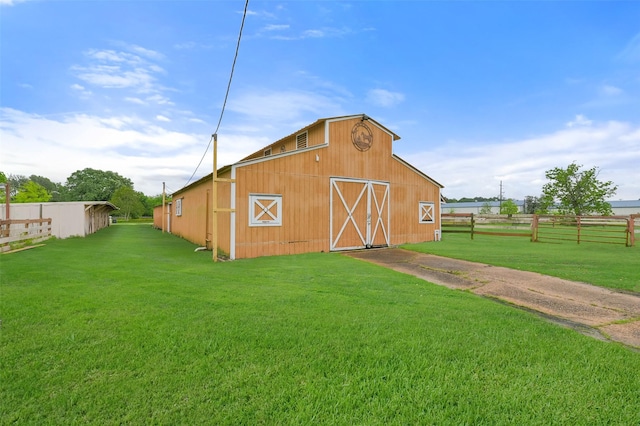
361 136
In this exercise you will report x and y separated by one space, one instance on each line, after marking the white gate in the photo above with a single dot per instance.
359 214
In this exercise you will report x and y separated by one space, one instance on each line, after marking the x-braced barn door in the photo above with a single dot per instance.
359 214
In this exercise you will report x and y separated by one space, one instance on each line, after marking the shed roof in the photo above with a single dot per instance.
473 204
67 203
625 203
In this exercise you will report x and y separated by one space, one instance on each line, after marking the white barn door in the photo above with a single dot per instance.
359 214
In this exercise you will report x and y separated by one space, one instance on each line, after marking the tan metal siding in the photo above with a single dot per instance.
192 224
303 181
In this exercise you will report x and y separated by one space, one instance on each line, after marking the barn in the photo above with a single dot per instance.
333 185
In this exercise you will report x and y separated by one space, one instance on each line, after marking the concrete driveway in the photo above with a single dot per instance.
596 311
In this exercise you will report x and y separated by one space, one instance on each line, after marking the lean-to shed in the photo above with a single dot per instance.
333 185
68 219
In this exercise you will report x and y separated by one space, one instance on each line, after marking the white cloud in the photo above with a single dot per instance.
159 100
261 13
274 27
468 170
151 54
81 90
324 32
631 52
116 78
149 153
111 56
135 100
187 45
163 118
580 120
384 98
192 45
608 90
283 107
313 33
111 69
146 153
608 96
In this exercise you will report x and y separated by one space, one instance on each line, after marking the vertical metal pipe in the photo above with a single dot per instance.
214 200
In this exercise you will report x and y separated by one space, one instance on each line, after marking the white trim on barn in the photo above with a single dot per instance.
426 213
270 157
265 209
365 219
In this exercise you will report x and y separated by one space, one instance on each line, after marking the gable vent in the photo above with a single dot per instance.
301 140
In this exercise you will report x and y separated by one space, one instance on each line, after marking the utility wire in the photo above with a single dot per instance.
168 191
226 96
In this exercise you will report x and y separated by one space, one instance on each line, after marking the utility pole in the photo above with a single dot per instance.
214 202
500 198
7 213
7 189
163 204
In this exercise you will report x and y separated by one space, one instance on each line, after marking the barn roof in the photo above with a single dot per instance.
204 178
316 123
418 171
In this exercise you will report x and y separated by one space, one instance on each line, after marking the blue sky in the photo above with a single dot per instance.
479 92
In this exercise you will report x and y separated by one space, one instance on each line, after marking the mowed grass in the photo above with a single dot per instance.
606 265
131 326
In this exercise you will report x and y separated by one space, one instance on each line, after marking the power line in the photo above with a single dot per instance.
226 96
169 191
198 166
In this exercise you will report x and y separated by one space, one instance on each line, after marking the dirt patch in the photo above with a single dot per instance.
591 310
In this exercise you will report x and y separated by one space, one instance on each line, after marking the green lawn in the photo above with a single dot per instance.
605 265
130 326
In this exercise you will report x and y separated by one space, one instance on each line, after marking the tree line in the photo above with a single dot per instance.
570 191
82 185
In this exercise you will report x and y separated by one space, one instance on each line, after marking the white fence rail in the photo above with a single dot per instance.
16 232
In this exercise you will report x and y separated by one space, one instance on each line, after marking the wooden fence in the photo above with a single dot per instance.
587 229
17 232
595 229
500 225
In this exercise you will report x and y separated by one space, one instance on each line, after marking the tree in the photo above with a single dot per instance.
31 192
16 181
55 189
94 185
532 205
3 179
486 208
128 201
577 192
509 207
